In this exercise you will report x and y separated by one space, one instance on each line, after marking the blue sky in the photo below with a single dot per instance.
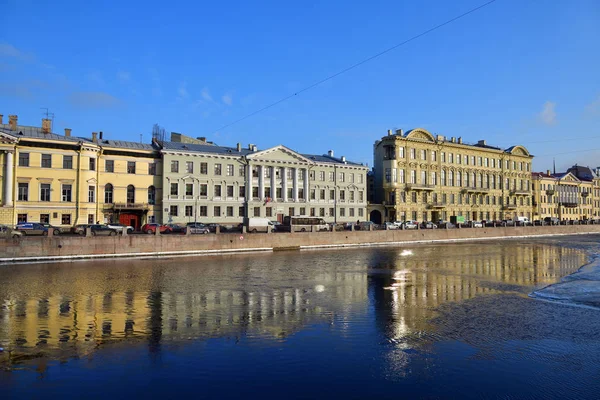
515 72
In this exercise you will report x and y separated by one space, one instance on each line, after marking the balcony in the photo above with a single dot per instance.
509 207
515 192
568 204
585 194
436 205
420 186
550 192
473 189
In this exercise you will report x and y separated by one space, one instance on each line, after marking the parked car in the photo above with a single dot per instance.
428 225
391 226
197 228
445 225
102 230
57 229
474 224
32 228
8 232
151 228
551 220
173 228
120 227
410 224
365 226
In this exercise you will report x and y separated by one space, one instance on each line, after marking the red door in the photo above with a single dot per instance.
130 220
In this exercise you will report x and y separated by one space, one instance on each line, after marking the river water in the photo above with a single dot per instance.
463 320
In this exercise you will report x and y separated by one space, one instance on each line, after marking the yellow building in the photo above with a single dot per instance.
56 179
567 196
419 176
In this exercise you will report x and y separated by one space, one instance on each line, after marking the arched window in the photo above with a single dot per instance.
130 194
108 193
151 195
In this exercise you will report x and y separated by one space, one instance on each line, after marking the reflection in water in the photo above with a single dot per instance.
69 310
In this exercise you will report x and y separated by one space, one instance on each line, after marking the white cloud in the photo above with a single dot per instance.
227 99
182 91
7 50
593 108
123 76
206 95
548 114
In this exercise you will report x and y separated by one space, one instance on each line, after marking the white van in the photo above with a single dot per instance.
256 224
523 220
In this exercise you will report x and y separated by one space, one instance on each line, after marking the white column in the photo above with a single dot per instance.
306 194
284 184
261 182
8 180
295 190
248 182
273 188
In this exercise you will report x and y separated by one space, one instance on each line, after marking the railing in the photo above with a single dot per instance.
519 192
473 189
509 207
419 186
585 194
550 192
436 204
569 204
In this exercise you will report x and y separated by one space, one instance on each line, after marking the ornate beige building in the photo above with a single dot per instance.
419 176
568 196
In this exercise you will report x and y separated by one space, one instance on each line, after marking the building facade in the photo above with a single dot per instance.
419 176
568 196
215 184
62 180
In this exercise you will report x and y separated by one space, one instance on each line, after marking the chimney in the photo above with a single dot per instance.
330 153
67 132
481 143
453 139
239 147
548 172
343 158
94 137
460 140
440 138
1 119
100 137
399 132
46 128
250 146
12 121
389 132
254 148
201 138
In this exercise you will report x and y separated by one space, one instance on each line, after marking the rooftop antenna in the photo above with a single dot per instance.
49 116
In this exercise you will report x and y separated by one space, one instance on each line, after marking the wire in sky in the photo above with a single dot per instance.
566 152
366 60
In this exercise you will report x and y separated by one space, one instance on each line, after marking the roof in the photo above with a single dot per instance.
33 132
328 159
583 173
541 175
127 145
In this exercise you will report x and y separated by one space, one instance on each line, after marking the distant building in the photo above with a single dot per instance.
419 176
571 195
216 184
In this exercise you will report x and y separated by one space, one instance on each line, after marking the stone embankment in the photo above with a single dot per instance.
68 248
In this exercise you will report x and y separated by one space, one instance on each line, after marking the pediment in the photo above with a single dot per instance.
6 138
569 178
279 154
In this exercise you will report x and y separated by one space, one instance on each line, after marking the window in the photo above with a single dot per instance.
267 171
423 157
230 211
241 210
332 194
203 211
66 219
189 167
361 196
203 189
450 158
46 160
342 176
174 166
313 194
130 194
256 211
189 189
331 176
322 176
189 211
44 218
23 191
321 212
151 195
255 192
91 218
291 211
174 189
203 168
217 169
217 211
66 193
302 211
92 164
91 194
173 210
152 168
401 152
217 191
23 159
21 218
45 192
109 166
230 169
67 162
108 193
230 191
443 156
131 167
413 155
413 176
243 191
343 211
269 211
351 192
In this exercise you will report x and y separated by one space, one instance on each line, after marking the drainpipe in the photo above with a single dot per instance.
98 184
